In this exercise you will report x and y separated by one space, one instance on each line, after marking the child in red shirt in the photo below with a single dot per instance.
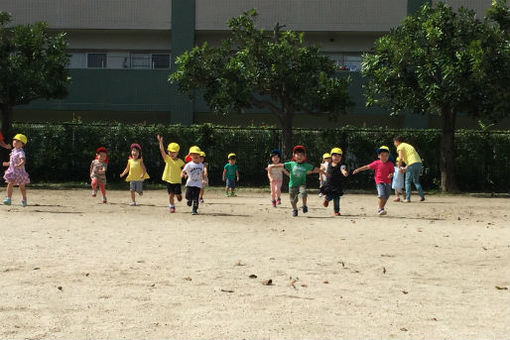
383 169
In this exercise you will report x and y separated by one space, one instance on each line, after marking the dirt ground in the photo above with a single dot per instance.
71 267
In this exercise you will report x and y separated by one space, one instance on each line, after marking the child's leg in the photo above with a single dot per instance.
336 204
171 199
195 194
93 184
23 191
102 189
272 185
381 203
201 196
10 188
278 189
133 197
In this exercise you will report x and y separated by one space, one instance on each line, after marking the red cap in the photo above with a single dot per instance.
298 148
136 146
187 159
101 149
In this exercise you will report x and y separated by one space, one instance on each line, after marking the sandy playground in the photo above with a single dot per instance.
71 267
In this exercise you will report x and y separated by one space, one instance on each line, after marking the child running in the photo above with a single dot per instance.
172 172
298 170
98 172
15 173
326 159
383 169
275 173
335 178
206 176
194 171
398 181
230 174
137 172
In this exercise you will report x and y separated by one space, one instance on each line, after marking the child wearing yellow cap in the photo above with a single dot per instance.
15 173
230 174
194 171
335 178
383 172
326 159
172 172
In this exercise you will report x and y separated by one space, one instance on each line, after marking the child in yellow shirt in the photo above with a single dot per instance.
137 172
172 172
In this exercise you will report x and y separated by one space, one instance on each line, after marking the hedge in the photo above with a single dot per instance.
62 152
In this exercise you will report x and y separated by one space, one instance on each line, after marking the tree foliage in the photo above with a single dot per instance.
445 62
270 70
32 65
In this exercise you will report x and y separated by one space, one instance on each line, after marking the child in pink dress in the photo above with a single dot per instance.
15 173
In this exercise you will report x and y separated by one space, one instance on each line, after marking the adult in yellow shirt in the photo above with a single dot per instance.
172 172
413 168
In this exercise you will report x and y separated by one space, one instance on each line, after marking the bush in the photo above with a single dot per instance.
63 152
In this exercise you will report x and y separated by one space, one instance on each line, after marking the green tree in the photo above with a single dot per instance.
32 66
441 62
270 70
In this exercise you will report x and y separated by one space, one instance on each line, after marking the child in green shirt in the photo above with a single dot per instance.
230 174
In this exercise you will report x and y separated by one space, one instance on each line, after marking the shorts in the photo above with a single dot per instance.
383 190
136 186
231 183
192 193
295 192
174 188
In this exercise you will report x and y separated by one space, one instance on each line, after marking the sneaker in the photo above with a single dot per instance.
23 203
132 204
406 201
337 213
320 194
140 193
201 200
172 210
233 194
422 199
7 201
104 199
226 194
273 203
194 212
188 203
305 209
94 193
381 212
396 199
294 213
278 201
325 203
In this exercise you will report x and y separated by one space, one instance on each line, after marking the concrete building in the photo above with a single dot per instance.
122 50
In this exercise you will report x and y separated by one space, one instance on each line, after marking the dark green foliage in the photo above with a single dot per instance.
57 153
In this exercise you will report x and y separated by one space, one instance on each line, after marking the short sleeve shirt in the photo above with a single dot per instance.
409 154
382 171
195 174
96 166
297 173
231 171
276 172
172 172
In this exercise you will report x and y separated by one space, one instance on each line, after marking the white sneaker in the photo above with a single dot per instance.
381 212
132 203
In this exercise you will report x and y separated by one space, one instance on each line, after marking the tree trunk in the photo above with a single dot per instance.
447 158
286 121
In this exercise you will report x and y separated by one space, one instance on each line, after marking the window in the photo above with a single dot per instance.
140 60
96 60
160 61
347 61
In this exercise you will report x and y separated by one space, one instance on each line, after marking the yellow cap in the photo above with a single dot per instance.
194 149
383 148
173 147
337 151
21 138
230 155
326 155
202 154
398 159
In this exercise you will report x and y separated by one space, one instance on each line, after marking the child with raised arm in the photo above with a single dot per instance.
172 172
98 172
194 171
333 188
230 174
137 172
383 170
298 169
15 173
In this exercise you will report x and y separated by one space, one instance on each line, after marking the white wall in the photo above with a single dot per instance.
480 6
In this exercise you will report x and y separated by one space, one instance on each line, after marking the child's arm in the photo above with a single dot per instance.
3 145
237 175
6 163
144 169
126 170
223 175
90 171
344 171
183 173
269 175
205 172
286 172
320 175
315 171
20 164
161 147
363 168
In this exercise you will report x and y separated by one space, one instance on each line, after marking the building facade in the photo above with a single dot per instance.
122 53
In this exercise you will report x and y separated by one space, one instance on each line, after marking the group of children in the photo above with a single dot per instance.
332 174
